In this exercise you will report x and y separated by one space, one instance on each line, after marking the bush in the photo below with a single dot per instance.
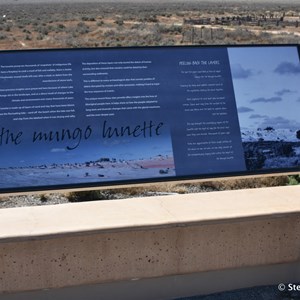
255 159
40 37
119 22
86 196
82 28
7 27
269 128
91 19
248 183
294 180
285 149
61 26
149 18
42 30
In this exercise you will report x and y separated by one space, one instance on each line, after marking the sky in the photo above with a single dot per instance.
266 86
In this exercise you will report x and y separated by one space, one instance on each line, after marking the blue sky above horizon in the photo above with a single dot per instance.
267 87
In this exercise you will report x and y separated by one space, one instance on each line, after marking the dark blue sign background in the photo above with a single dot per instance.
103 116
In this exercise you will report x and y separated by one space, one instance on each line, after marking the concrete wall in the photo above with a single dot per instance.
99 242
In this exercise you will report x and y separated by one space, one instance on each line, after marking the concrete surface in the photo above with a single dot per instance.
174 287
112 241
160 211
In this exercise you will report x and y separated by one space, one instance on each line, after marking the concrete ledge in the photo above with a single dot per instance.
109 241
138 213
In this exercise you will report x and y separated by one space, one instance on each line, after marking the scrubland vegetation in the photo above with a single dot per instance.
60 25
166 188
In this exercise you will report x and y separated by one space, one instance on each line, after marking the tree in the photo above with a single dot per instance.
269 128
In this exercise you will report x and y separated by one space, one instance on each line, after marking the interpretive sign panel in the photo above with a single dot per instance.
92 117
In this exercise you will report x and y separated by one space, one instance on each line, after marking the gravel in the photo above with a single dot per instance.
32 200
48 198
92 195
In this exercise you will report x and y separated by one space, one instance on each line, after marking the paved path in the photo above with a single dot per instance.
256 293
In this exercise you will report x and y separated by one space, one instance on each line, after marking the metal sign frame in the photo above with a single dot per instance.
92 118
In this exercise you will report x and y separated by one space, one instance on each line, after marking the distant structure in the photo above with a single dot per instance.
248 20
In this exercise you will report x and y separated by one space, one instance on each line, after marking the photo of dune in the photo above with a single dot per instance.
265 83
96 161
104 169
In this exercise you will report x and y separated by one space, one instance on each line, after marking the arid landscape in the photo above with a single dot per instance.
56 24
93 171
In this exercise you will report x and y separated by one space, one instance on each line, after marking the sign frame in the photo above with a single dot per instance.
158 179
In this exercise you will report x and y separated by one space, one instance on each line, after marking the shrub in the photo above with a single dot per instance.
283 149
254 158
7 27
40 37
86 196
61 26
294 180
42 30
44 197
119 22
91 19
269 128
151 18
82 28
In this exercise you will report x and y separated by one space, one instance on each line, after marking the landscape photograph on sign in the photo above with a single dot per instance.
94 160
267 92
